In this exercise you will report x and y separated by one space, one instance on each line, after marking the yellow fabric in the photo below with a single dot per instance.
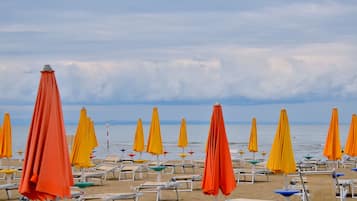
6 138
84 142
182 140
332 149
139 137
253 139
281 158
154 145
351 142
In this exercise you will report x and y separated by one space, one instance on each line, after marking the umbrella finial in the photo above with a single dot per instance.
217 103
47 68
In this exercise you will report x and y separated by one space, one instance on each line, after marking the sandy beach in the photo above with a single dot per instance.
261 189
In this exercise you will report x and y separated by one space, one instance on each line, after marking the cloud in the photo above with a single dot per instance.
268 52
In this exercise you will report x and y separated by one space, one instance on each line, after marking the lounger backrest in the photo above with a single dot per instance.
320 185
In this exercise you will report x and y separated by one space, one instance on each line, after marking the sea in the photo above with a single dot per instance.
118 139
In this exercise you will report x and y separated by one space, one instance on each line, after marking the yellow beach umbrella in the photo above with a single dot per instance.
281 158
6 138
138 144
253 139
332 149
182 140
351 142
92 136
154 145
84 142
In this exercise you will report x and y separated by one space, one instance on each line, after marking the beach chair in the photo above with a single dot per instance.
157 187
319 186
246 199
125 170
186 179
111 196
8 188
111 159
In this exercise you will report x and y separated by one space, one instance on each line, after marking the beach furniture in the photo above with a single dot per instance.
246 199
125 170
241 174
8 188
321 185
111 196
157 187
186 179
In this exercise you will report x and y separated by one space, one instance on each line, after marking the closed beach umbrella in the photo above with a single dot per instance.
92 135
182 140
253 138
351 142
332 149
154 145
6 138
218 171
47 173
84 142
281 158
138 144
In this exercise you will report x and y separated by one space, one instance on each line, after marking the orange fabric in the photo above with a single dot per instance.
253 139
6 138
351 142
218 171
154 145
182 140
332 149
47 172
139 137
281 157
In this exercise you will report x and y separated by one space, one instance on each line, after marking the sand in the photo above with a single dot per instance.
261 189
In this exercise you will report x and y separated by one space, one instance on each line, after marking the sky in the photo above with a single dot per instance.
119 59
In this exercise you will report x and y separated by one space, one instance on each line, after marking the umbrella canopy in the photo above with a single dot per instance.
351 142
281 158
84 142
47 172
154 145
6 138
253 139
332 149
182 140
218 171
138 145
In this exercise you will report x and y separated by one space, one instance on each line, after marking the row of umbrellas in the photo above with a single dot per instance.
154 145
47 149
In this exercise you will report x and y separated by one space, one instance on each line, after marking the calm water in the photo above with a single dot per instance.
306 139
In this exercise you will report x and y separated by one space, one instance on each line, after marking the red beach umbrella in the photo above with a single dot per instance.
47 173
218 170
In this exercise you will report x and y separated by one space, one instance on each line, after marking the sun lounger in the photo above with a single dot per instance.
186 179
128 170
8 187
157 187
112 196
241 174
246 199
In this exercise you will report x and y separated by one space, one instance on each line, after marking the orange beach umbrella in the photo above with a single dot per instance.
281 158
47 172
154 145
218 171
351 142
253 139
138 145
182 140
332 149
6 138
